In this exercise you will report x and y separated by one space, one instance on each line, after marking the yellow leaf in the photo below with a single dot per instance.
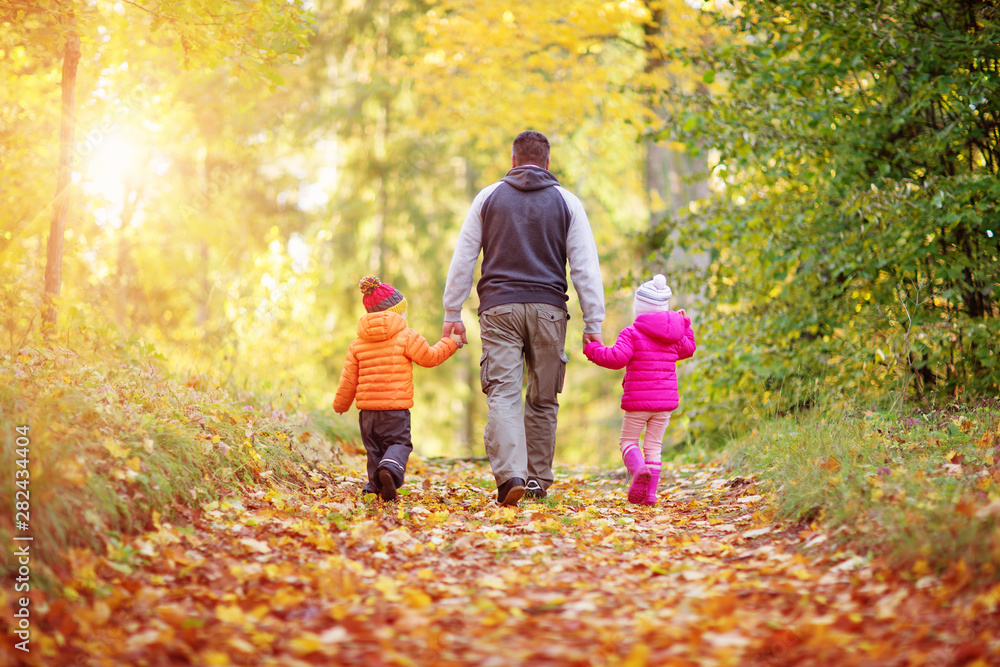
416 598
215 659
920 568
48 646
305 644
386 586
229 614
115 449
638 656
286 598
339 612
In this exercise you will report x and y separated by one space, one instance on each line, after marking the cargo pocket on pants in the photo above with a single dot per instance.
551 326
484 372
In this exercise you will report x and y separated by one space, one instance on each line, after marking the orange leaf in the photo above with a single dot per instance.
831 464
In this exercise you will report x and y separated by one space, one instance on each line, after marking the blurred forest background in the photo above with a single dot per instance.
204 182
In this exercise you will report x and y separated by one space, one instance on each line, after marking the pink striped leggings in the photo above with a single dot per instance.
655 424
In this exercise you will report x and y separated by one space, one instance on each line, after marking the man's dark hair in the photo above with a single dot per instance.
531 148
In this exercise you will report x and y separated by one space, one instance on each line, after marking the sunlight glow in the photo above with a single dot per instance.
113 161
298 250
111 174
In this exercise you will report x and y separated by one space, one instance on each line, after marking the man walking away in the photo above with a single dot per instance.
527 227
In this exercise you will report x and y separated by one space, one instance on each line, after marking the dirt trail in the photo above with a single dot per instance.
446 577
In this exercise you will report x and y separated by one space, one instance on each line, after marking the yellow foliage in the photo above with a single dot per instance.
115 449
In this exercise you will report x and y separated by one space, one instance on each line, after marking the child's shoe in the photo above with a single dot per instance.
387 484
654 480
632 457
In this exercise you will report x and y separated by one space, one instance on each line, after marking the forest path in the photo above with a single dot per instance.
444 576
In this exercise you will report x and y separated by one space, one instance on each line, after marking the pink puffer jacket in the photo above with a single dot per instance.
649 349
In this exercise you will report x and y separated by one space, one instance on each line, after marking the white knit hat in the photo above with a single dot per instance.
652 297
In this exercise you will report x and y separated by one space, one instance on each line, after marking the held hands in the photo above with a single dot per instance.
592 338
455 331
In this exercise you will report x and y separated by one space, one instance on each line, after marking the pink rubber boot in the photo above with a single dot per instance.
654 480
632 456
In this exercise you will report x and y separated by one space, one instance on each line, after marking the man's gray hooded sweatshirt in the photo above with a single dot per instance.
527 227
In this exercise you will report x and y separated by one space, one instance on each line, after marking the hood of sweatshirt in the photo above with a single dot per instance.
666 326
529 177
376 327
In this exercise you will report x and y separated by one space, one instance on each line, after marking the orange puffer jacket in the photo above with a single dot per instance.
379 367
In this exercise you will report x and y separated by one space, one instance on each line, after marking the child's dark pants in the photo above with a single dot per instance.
386 434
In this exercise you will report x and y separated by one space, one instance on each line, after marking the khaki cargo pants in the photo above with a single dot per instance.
522 339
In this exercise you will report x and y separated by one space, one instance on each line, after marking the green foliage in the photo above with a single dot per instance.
905 484
855 233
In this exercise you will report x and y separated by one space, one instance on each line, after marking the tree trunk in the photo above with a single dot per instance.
667 172
381 147
54 253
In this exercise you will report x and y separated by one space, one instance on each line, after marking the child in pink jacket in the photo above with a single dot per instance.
648 350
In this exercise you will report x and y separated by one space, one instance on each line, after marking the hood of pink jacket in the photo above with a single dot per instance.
665 327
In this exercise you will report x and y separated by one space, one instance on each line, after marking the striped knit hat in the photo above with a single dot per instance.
381 296
652 297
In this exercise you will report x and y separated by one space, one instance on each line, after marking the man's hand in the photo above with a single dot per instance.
457 328
592 337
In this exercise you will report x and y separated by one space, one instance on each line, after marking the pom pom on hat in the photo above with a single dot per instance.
379 296
653 296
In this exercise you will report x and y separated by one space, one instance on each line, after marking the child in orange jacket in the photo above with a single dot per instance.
379 374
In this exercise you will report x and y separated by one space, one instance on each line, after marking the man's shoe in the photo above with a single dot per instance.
534 489
510 492
388 484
